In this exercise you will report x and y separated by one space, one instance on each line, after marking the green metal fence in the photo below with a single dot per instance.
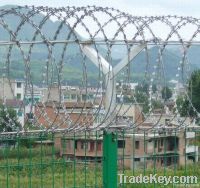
97 159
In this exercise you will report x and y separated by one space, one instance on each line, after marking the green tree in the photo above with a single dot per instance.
157 104
8 120
182 106
166 93
142 96
154 88
194 91
142 88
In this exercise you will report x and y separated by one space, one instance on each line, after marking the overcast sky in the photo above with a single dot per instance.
135 7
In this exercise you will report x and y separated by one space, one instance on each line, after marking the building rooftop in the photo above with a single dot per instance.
66 104
13 103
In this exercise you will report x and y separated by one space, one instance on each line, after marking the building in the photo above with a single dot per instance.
131 112
11 89
135 150
33 95
54 114
91 146
160 149
82 148
12 95
71 94
138 150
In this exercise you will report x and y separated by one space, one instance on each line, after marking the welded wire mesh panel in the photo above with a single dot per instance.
167 154
53 160
48 160
84 87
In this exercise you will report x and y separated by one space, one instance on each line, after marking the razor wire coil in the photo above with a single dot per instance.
129 31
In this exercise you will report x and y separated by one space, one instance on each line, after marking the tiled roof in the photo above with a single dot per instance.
14 103
68 104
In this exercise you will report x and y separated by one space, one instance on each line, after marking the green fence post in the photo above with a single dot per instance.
109 160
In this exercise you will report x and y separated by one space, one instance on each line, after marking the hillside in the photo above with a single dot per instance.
73 63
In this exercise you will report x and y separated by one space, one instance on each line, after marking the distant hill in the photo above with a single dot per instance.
73 59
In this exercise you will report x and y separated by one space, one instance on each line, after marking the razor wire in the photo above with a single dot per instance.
101 30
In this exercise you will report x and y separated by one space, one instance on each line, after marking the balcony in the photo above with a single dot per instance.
191 149
190 134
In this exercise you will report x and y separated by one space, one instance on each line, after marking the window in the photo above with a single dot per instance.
82 145
19 84
137 159
18 95
155 143
63 141
161 142
137 144
29 115
68 144
66 96
19 113
129 118
86 145
78 98
121 143
91 146
84 97
73 96
90 97
75 144
36 99
162 161
98 146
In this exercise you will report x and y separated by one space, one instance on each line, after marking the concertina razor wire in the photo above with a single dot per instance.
94 35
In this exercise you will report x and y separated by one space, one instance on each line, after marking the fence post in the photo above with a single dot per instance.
109 160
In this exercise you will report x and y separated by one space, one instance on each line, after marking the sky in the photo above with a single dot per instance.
134 7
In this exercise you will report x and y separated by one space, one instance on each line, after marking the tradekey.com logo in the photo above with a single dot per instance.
154 178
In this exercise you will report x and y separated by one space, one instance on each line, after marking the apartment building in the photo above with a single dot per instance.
160 149
135 150
11 89
71 94
91 146
12 95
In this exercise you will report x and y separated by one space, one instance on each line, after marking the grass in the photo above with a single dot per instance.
42 167
46 172
57 172
22 167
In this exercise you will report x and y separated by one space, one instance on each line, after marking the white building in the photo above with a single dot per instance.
11 89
